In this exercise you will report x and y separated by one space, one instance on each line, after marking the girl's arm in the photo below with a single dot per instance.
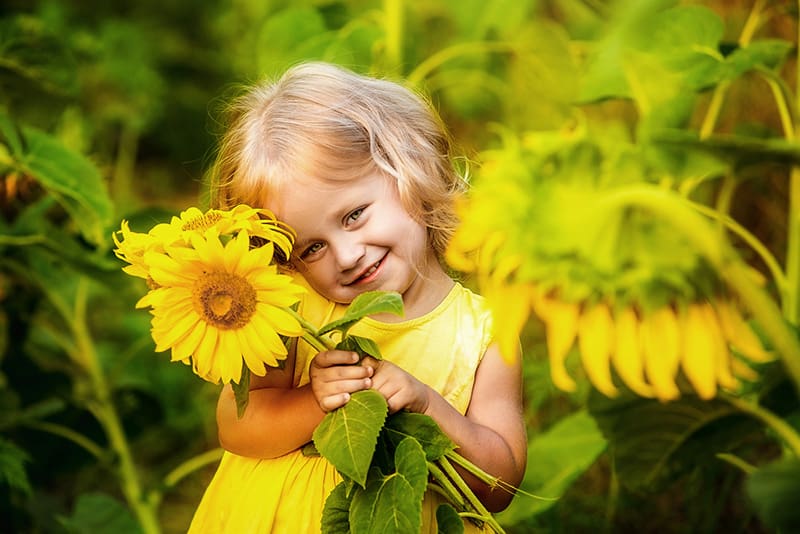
491 434
281 418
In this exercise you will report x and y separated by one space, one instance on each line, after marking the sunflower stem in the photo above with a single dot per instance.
310 334
783 429
107 415
195 463
473 501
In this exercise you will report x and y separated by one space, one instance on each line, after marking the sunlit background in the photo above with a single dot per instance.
110 110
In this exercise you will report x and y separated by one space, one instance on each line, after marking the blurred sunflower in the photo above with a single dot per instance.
218 306
545 232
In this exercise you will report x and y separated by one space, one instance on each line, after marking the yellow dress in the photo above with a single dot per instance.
286 495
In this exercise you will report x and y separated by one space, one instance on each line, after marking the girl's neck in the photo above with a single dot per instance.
428 290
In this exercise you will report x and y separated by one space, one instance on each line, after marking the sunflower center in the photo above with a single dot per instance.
204 222
224 300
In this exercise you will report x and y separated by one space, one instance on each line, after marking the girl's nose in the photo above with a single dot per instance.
348 253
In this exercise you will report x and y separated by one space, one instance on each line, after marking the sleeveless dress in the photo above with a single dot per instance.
286 494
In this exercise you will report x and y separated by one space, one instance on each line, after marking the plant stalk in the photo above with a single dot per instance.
474 502
394 21
778 425
108 417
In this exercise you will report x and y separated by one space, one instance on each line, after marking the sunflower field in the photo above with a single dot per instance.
634 218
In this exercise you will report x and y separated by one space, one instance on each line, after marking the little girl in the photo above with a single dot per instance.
361 169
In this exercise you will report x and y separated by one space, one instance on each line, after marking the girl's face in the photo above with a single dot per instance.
355 236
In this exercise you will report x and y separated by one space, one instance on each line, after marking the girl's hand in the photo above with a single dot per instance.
401 390
334 377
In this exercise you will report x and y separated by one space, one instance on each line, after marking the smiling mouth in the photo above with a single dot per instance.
368 273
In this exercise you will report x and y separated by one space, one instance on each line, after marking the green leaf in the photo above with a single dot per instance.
72 179
647 436
557 458
448 521
775 492
766 53
423 428
361 345
290 35
347 435
10 135
393 503
12 467
241 391
335 513
97 513
368 303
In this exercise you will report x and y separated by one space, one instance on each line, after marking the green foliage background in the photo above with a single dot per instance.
108 110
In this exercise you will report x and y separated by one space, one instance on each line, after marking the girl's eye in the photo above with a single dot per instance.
311 249
354 215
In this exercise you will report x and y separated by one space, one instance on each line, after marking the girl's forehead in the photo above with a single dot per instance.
317 197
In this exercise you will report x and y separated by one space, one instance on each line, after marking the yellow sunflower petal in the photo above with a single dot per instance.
698 357
256 342
235 250
188 345
661 349
595 341
561 327
166 271
722 356
627 356
229 356
167 332
210 251
281 321
203 357
254 361
268 335
740 334
742 370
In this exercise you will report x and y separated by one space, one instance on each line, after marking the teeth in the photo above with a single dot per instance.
370 270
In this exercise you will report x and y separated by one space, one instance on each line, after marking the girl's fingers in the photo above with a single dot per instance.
330 358
330 403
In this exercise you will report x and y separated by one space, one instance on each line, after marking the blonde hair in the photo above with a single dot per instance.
325 122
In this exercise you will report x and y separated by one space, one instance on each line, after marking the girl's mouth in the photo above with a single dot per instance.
368 275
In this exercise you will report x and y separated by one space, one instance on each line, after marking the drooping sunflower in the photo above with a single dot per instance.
546 232
219 306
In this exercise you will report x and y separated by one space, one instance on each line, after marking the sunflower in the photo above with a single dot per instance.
546 235
219 305
259 223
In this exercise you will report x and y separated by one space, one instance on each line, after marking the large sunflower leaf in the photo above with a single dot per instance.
774 490
393 503
98 513
648 438
367 303
336 511
72 179
12 467
347 435
448 521
559 456
423 428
